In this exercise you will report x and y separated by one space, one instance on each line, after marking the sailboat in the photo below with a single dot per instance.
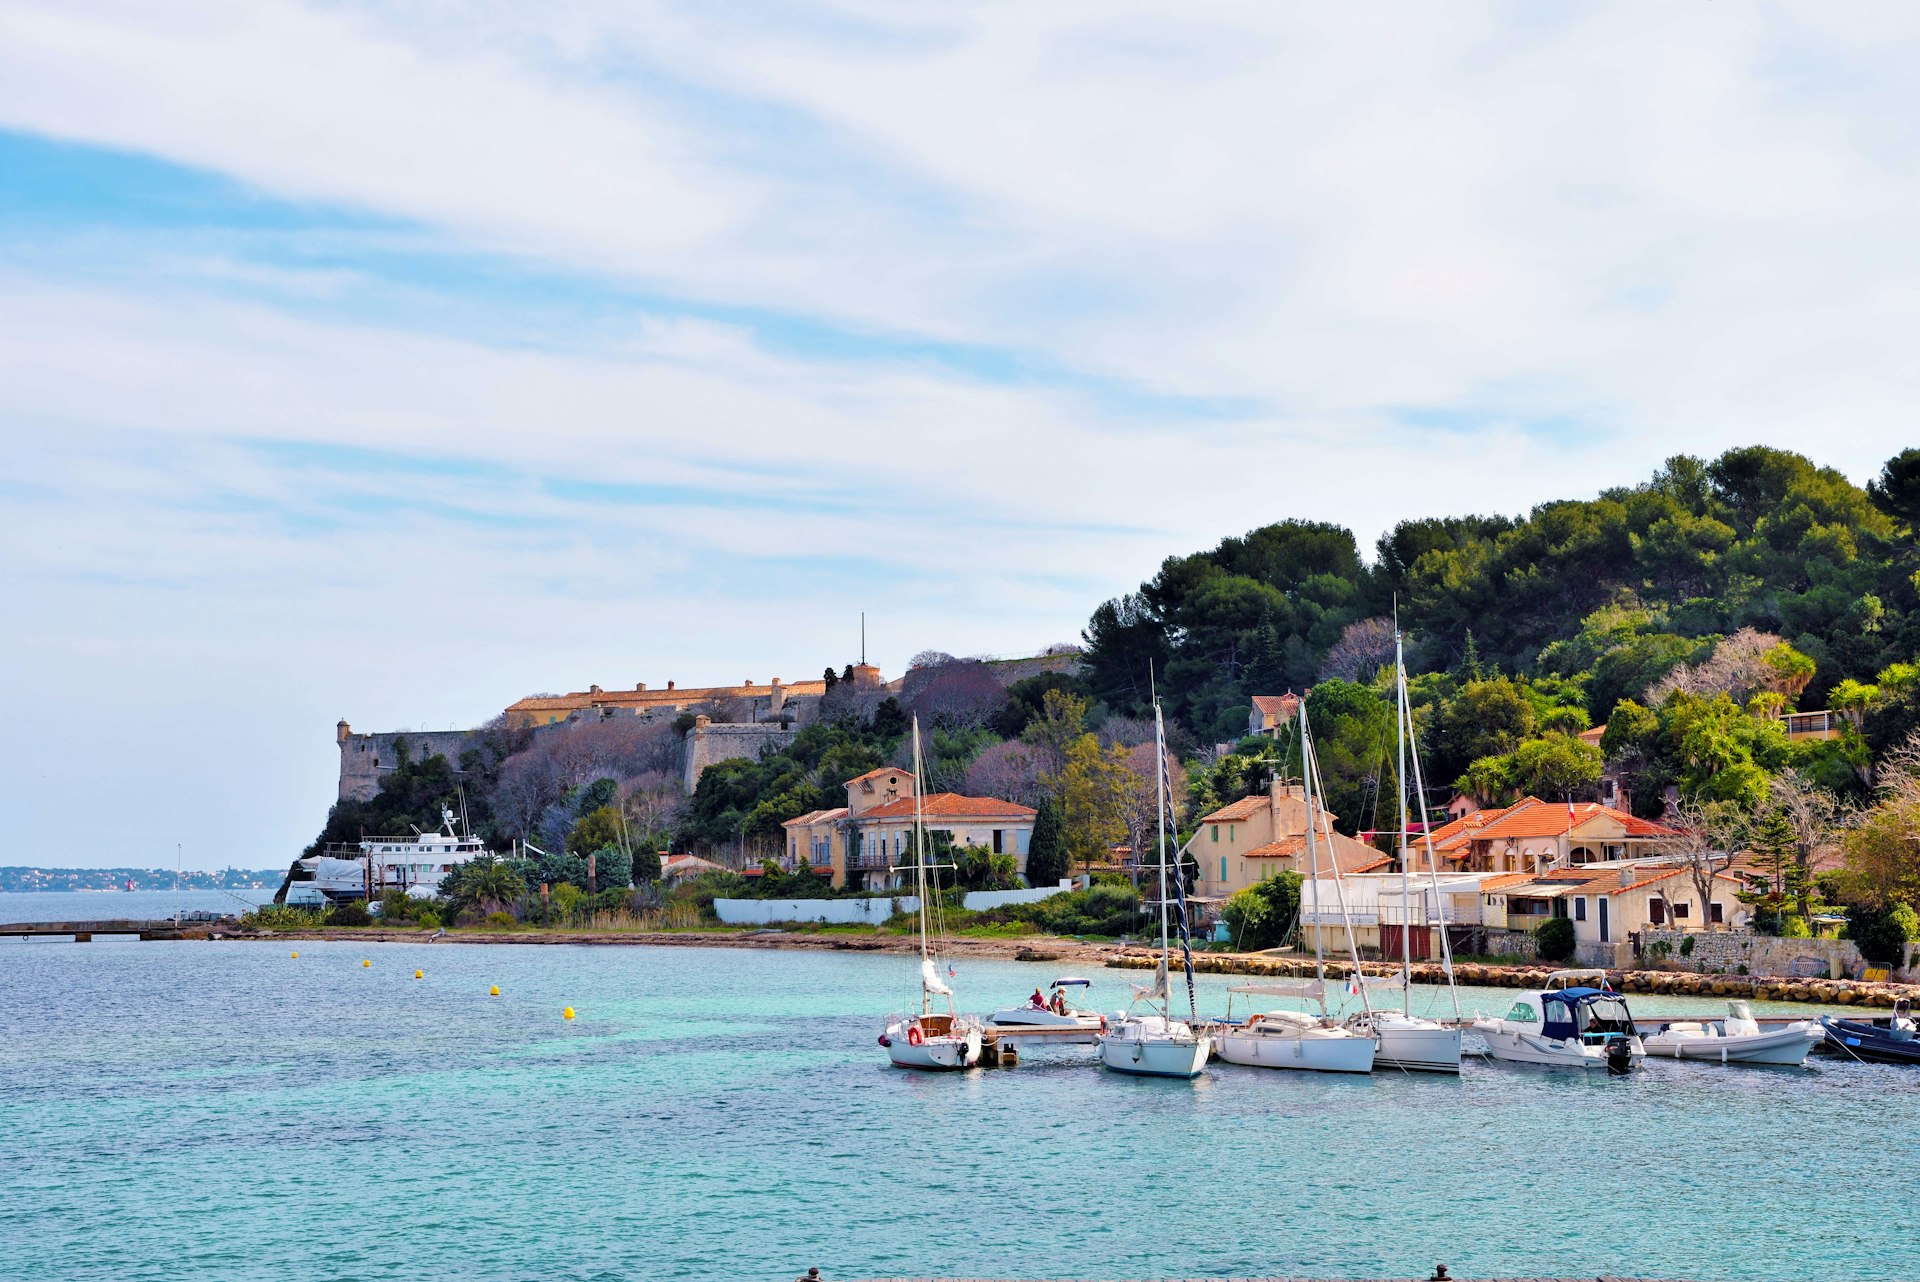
1407 1040
941 1041
1298 1039
1152 1043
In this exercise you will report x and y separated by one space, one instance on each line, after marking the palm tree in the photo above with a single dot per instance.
486 881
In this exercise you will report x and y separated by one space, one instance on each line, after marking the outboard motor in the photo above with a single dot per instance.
1619 1056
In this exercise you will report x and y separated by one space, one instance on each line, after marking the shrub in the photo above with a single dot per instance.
429 919
281 917
1262 915
1881 933
1101 910
1686 946
1795 927
1659 950
499 919
352 913
1554 939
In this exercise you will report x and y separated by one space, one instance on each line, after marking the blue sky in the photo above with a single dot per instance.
393 361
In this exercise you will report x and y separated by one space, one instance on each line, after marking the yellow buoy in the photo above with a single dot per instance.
366 963
567 1013
419 974
296 954
494 991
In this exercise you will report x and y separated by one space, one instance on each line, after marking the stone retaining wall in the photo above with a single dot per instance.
1839 992
1727 952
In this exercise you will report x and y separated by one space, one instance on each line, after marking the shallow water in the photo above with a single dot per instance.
129 905
219 1111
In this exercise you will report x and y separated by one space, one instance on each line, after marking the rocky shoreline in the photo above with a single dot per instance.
1045 948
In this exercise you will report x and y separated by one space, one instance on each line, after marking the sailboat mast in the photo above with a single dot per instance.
919 866
1313 856
1160 845
1433 879
1400 840
1309 766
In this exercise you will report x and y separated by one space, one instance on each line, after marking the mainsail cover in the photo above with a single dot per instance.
930 979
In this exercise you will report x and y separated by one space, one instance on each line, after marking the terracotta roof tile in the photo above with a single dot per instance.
1232 812
815 816
951 805
1532 817
1276 705
883 770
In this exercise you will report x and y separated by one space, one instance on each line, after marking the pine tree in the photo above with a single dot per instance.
1469 667
1046 852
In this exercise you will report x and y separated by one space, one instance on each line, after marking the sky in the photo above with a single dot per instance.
389 362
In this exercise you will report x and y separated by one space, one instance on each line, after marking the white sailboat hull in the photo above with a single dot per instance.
1154 1046
1519 1047
1419 1045
946 1053
1315 1050
1781 1046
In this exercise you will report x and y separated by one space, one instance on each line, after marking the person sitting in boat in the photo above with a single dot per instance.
1059 1005
1038 1001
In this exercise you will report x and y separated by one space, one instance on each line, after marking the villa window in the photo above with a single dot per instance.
1717 913
1580 908
1680 911
1223 868
1216 833
1657 912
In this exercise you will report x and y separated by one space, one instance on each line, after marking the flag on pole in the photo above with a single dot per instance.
1353 984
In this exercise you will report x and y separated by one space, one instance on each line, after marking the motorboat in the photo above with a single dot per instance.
1566 1025
1894 1040
1064 1024
1152 1043
1293 1039
936 1040
1409 1041
1737 1039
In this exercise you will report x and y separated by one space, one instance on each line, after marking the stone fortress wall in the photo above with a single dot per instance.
364 758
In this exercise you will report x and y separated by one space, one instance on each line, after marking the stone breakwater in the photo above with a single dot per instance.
1840 992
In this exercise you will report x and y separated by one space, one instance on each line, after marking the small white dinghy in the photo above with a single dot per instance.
1737 1039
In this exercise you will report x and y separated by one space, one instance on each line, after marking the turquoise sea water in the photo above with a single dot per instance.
214 1111
132 905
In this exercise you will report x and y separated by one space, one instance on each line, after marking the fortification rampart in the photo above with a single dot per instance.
708 742
365 758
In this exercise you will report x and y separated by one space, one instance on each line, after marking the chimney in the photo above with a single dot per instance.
341 731
775 683
669 685
639 685
593 690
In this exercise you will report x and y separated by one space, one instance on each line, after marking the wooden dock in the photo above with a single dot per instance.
83 931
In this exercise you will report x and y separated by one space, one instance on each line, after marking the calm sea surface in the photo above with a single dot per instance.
105 905
213 1111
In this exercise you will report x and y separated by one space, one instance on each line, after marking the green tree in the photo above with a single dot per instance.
595 829
612 869
1263 915
485 882
1486 719
1046 848
1092 786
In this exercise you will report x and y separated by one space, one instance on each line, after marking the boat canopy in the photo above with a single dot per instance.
1561 1011
1071 983
1558 979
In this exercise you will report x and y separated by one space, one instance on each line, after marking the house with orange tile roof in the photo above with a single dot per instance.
1610 905
1538 836
1255 837
864 841
1272 711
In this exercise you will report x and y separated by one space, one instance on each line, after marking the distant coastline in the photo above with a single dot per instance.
19 879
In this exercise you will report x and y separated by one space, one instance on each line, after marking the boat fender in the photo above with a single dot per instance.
885 1040
913 1035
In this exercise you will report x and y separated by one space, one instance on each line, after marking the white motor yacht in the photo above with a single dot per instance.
1565 1026
1293 1039
1737 1039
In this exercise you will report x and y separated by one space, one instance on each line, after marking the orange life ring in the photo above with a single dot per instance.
913 1035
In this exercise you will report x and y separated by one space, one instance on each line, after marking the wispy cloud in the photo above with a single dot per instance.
395 360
